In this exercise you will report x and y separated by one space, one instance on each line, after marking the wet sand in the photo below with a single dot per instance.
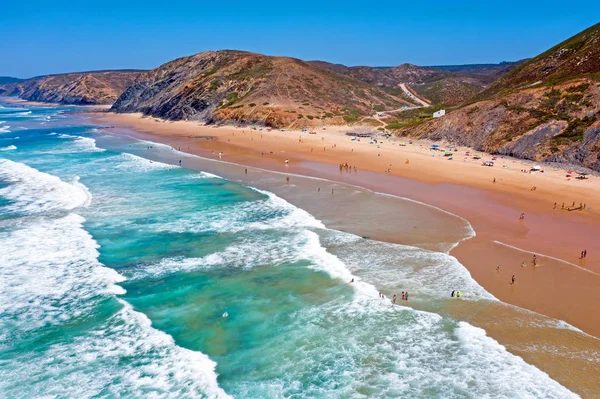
566 289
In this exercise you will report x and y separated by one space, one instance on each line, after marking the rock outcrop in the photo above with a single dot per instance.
80 88
238 86
547 109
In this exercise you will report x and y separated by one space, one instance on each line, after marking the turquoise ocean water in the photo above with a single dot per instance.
125 277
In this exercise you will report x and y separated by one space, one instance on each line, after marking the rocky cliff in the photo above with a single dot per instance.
81 88
547 109
226 86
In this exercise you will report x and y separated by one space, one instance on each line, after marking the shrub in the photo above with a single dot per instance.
579 88
252 105
231 99
214 84
379 108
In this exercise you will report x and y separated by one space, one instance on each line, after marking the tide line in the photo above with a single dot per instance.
546 256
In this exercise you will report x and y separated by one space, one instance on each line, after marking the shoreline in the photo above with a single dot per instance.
568 354
467 201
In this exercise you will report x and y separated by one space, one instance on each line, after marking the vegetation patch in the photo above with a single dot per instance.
214 85
253 70
579 88
379 108
231 99
350 118
577 128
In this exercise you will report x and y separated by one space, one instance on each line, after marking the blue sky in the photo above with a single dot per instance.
41 37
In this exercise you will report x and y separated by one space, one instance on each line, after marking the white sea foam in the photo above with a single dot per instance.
49 265
393 351
205 175
21 114
392 267
4 129
79 144
34 192
272 213
8 148
51 276
139 164
123 355
502 370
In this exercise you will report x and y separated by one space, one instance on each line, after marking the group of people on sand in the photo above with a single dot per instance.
583 254
456 294
582 206
347 168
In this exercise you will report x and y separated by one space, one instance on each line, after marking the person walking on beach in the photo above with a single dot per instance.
402 295
534 260
498 268
585 253
394 299
554 206
319 190
452 295
512 280
406 296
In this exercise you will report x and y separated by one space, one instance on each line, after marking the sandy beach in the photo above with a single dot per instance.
561 286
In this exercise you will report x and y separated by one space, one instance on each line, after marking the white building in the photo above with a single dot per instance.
439 114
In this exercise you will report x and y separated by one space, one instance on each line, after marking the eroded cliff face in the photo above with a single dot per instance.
251 88
559 123
82 88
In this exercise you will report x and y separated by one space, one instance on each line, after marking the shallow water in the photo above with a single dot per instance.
125 277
